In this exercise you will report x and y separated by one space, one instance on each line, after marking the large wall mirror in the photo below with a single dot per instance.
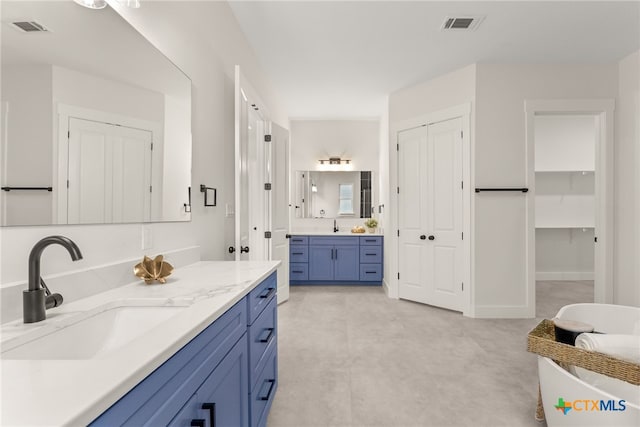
333 194
96 122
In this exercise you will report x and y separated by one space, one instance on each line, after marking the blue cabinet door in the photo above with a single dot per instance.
347 262
321 262
222 398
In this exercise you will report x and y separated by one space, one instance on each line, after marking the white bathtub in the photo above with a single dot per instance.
556 382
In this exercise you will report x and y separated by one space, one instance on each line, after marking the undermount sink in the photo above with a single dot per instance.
93 334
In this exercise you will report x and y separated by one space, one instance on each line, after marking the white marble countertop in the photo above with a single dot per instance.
75 392
330 233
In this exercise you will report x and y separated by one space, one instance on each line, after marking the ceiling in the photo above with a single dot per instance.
340 59
97 42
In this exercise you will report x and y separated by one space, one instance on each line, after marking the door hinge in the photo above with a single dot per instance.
398 233
462 235
463 286
150 188
397 147
67 183
267 234
68 134
267 138
398 189
267 186
595 239
462 184
152 146
398 276
461 134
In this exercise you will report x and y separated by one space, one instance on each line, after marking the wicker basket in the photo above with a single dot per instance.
541 340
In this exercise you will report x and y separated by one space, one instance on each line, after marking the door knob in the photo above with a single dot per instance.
423 237
231 249
244 249
432 237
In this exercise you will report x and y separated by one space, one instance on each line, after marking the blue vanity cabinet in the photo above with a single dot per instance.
211 380
336 260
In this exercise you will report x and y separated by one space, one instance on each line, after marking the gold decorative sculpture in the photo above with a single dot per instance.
153 269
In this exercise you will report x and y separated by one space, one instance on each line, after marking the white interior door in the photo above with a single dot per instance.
109 173
278 205
430 201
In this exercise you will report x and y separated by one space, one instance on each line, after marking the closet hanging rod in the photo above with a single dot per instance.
27 188
520 190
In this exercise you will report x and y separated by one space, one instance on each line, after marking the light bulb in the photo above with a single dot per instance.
92 4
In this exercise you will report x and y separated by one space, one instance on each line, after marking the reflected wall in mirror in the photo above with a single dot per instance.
91 109
333 194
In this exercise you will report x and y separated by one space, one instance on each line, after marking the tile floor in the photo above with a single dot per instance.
350 356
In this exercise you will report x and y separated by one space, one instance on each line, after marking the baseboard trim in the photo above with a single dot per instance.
564 275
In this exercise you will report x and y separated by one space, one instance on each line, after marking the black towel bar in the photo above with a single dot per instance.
520 190
28 188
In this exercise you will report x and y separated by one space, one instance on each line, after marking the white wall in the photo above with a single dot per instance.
453 89
26 159
176 157
312 140
500 160
177 29
627 184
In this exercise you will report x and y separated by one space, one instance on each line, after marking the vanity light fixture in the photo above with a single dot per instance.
92 4
335 161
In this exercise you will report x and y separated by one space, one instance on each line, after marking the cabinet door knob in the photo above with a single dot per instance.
432 237
244 249
231 249
211 407
423 237
197 423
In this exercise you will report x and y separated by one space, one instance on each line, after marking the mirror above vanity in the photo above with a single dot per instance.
96 121
333 194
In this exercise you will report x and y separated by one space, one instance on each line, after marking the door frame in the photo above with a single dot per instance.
602 110
61 152
462 111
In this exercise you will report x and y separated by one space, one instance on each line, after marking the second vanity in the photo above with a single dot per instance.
336 259
199 350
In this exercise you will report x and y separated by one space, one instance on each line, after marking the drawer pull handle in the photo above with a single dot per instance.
298 253
211 407
197 423
268 338
374 254
370 272
268 294
272 383
297 271
369 240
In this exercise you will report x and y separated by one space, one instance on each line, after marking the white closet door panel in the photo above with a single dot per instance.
279 206
444 213
132 201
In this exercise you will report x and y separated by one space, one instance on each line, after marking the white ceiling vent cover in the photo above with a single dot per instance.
468 23
29 27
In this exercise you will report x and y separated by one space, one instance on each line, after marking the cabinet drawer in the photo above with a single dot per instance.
258 298
299 271
370 254
264 391
262 337
299 253
371 240
299 240
370 272
334 240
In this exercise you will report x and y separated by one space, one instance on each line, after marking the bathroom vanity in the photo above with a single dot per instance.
336 259
199 350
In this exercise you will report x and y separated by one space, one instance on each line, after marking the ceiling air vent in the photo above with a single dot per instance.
29 27
469 23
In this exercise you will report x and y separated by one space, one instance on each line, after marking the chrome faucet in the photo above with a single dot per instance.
335 226
38 298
